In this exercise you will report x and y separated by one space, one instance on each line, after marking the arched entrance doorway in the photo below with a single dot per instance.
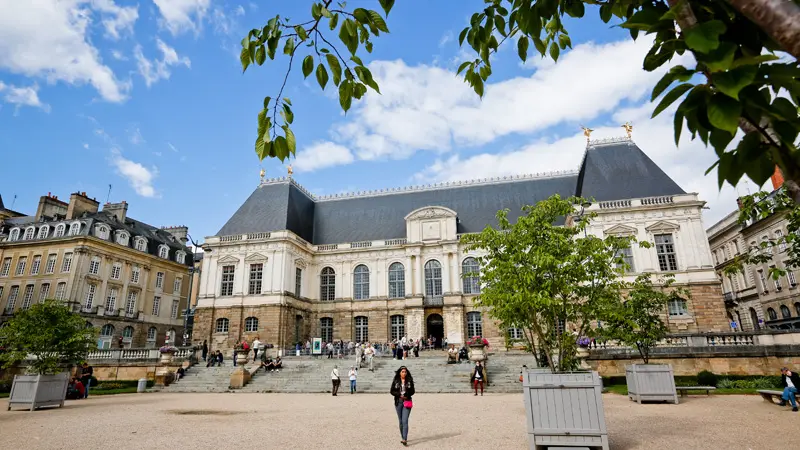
435 328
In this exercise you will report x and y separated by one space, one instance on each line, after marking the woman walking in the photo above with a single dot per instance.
353 375
402 390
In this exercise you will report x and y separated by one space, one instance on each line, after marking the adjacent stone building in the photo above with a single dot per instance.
752 298
289 265
126 278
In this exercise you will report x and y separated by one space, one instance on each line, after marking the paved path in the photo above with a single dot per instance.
368 421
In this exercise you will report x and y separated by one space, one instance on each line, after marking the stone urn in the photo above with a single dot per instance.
582 354
166 357
241 356
477 352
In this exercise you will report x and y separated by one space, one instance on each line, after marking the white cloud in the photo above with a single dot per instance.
116 19
139 176
179 16
447 37
116 54
159 154
155 70
172 147
320 155
22 96
239 10
86 146
50 39
135 136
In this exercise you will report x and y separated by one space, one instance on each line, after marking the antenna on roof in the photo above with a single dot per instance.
109 193
13 201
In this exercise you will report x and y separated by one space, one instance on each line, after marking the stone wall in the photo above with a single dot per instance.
753 365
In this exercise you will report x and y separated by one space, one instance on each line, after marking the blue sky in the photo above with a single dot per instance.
149 96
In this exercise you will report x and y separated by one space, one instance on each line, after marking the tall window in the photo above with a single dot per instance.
180 257
677 307
327 284
398 323
397 281
777 281
122 238
665 249
44 291
13 235
790 276
433 279
36 264
222 325
28 297
470 271
515 334
116 271
226 285
474 324
754 319
111 300
176 285
785 313
6 267
160 280
50 266
130 305
127 334
12 298
61 291
66 263
107 330
140 243
362 329
326 329
136 271
163 251
256 274
29 233
60 228
74 228
174 312
94 266
626 263
103 232
361 282
251 324
298 281
156 305
763 279
781 240
43 232
90 291
772 314
151 334
21 262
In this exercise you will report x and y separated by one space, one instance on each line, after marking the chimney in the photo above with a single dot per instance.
180 232
118 210
777 179
79 203
50 206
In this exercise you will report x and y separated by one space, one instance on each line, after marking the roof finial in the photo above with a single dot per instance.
628 128
289 170
587 132
263 172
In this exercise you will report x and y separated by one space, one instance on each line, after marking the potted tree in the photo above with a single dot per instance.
49 339
636 322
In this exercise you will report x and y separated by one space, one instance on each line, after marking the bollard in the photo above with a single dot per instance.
142 386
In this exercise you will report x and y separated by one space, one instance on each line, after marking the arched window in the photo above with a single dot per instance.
433 278
361 282
677 307
29 233
43 232
60 228
127 334
74 228
122 238
326 329
397 281
754 319
472 281
180 257
398 326
163 251
102 231
474 324
327 284
222 325
251 324
140 243
151 333
14 234
362 329
785 312
107 330
772 314
797 308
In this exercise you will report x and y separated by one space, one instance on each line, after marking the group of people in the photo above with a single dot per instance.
78 386
457 355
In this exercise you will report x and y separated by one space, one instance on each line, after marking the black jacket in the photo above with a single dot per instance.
395 390
795 380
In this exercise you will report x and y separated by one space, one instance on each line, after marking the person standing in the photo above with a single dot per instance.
86 377
790 382
370 353
335 380
353 374
402 390
256 345
205 349
478 377
358 351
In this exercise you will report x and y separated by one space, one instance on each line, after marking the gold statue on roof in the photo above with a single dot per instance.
587 132
289 170
263 172
628 128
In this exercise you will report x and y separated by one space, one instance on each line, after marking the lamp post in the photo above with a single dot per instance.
582 213
188 311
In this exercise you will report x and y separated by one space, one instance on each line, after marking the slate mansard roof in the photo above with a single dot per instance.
614 169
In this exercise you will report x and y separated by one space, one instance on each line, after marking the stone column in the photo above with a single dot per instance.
420 277
454 324
408 276
414 318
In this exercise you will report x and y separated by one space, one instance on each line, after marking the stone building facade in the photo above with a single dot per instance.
753 299
126 278
374 266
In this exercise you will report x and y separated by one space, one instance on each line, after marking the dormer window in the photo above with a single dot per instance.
140 243
29 233
122 238
102 232
180 257
163 251
75 228
43 232
14 234
60 229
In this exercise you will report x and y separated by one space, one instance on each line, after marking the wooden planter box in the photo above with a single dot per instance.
651 383
564 410
36 391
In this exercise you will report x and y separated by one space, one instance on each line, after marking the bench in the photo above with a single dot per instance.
769 395
684 389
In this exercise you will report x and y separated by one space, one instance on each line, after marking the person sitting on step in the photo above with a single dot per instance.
277 364
452 355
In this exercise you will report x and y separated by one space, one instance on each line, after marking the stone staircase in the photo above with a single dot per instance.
200 378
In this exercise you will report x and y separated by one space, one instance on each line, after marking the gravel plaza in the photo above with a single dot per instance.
368 421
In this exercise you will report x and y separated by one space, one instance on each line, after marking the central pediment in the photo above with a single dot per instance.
430 212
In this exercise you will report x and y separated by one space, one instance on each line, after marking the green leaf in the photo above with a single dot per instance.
554 51
288 48
244 57
387 6
670 97
333 21
280 147
361 15
462 35
366 77
266 102
720 139
357 60
348 36
287 101
564 41
463 66
288 114
322 76
676 73
261 55
336 69
500 25
477 86
677 123
724 112
325 12
308 65
605 12
272 45
721 58
378 21
346 95
644 19
291 142
704 37
522 48
368 46
753 60
301 32
733 81
541 47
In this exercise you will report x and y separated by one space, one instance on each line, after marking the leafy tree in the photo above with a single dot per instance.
731 87
636 320
49 331
541 277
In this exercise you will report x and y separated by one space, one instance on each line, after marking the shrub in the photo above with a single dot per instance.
752 383
110 385
706 378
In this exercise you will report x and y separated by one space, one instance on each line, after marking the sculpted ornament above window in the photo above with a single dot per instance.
431 212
